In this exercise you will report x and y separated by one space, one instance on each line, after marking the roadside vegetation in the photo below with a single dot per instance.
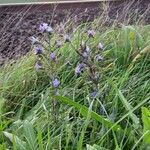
88 89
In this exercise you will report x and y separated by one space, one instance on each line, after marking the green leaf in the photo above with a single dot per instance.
87 121
146 124
40 138
84 111
21 145
30 136
128 107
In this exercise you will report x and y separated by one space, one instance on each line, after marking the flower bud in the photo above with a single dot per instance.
94 94
55 83
87 49
43 27
38 50
91 33
98 58
100 46
67 38
38 65
33 40
53 56
79 68
58 44
49 30
85 54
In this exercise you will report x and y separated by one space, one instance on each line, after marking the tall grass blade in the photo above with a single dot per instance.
40 138
84 111
128 107
80 143
126 115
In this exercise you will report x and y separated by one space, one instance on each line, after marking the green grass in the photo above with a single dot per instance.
32 117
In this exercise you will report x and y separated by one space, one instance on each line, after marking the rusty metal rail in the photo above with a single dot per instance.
61 4
39 2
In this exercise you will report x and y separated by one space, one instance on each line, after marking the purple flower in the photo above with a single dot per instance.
91 33
55 83
33 40
53 56
58 44
100 46
43 27
67 38
38 50
49 30
98 58
38 65
79 68
94 94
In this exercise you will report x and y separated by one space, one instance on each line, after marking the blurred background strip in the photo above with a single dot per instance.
15 2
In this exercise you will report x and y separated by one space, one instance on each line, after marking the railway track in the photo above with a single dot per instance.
46 5
8 2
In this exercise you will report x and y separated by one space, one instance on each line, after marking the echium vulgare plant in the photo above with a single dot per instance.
46 52
88 57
